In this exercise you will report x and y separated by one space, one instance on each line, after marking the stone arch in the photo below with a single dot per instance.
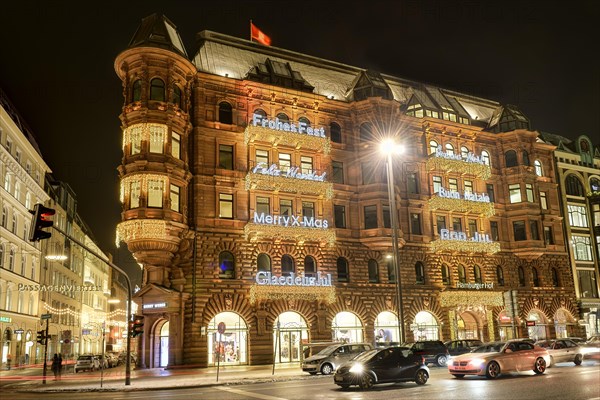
305 308
348 302
535 304
564 303
261 247
221 302
424 303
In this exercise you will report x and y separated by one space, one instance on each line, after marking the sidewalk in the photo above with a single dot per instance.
159 378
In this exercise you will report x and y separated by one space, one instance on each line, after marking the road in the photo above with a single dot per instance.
561 382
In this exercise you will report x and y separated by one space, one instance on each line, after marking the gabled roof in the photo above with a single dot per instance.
507 118
158 31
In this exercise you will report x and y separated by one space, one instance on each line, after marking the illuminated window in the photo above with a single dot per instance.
176 145
157 89
373 271
135 133
453 184
468 186
155 193
174 197
225 113
285 161
287 264
437 183
529 192
577 215
472 226
226 265
514 192
391 270
263 262
464 152
226 156
157 138
262 156
263 205
449 149
225 205
445 275
310 266
134 194
582 248
339 216
433 146
538 168
306 164
342 270
543 201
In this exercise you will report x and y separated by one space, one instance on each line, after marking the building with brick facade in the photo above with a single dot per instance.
255 197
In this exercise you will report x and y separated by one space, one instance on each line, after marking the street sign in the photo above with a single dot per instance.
530 323
221 328
46 316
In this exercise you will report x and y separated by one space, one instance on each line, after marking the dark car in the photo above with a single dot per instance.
392 364
433 351
462 346
330 358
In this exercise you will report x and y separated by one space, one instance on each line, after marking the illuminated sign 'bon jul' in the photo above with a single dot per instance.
290 220
292 172
267 279
286 126
446 234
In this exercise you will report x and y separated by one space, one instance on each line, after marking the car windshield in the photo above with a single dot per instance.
328 350
366 356
85 358
545 343
489 348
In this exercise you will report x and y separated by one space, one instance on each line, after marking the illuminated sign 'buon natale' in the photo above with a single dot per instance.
286 126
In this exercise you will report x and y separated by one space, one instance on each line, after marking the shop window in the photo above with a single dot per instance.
539 171
335 133
573 186
230 347
420 273
337 175
157 89
500 275
226 156
263 263
462 275
310 266
555 280
177 96
521 273
477 274
366 132
287 264
225 205
510 159
445 275
226 265
343 270
535 276
347 328
339 216
136 91
519 230
225 113
370 215
373 271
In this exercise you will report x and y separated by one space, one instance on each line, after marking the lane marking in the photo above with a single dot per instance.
249 394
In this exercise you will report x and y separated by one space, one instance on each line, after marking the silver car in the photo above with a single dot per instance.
562 350
330 358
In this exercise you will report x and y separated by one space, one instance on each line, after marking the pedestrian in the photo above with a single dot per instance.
59 366
8 361
55 366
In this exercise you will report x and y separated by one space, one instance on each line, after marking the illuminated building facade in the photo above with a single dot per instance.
255 198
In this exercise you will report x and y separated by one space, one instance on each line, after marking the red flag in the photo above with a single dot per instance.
258 35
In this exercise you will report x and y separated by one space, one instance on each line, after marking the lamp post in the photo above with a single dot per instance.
389 148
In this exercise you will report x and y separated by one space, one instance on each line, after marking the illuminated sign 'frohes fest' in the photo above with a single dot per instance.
286 126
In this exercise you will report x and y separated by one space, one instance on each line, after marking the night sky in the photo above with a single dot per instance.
56 65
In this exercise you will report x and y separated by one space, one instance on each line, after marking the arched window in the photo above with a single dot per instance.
225 113
177 96
287 264
521 276
464 152
555 280
433 146
1 255
310 266
343 270
536 277
573 186
263 263
420 273
366 132
449 149
136 90
283 117
485 157
510 159
304 120
462 275
335 133
373 271
28 200
477 274
526 158
226 265
261 112
4 216
157 89
595 184
11 259
500 275
538 168
445 275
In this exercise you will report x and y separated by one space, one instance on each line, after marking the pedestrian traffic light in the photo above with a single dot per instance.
137 326
40 220
41 337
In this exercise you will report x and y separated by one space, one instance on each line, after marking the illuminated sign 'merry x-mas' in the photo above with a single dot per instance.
291 220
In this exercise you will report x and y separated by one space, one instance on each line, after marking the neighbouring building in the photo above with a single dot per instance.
255 197
578 165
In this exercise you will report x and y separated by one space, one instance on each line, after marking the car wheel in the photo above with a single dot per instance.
540 366
441 361
421 377
344 387
459 376
326 369
366 382
312 373
578 359
492 370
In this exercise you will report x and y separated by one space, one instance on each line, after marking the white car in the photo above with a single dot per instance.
562 350
86 362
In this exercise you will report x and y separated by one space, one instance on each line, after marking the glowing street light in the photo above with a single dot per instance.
390 148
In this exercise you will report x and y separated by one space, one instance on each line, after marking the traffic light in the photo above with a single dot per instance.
137 325
40 220
41 338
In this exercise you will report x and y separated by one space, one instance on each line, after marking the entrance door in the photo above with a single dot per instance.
289 345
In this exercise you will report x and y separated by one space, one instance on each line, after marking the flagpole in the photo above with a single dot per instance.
250 30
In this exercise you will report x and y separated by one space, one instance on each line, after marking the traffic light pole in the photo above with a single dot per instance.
46 350
129 293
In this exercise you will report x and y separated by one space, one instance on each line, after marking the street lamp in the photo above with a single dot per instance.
389 148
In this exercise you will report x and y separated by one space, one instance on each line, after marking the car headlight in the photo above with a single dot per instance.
477 361
357 369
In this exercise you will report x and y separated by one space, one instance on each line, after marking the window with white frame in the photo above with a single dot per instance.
433 145
437 184
543 201
453 184
134 194
135 135
577 215
468 186
285 161
449 149
514 192
28 200
306 164
155 193
539 171
529 192
174 197
582 248
485 157
157 138
464 152
176 145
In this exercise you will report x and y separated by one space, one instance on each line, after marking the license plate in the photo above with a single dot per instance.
459 368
